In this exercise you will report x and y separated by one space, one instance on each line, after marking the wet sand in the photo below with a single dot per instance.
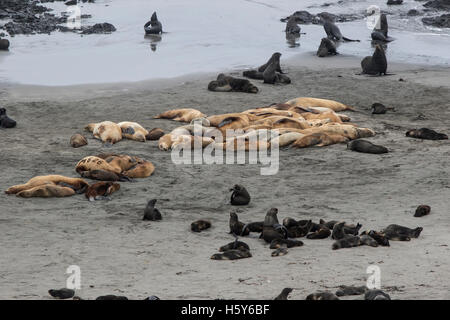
118 253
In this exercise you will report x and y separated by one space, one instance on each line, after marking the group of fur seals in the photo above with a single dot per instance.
200 225
5 121
376 64
240 196
151 213
4 44
153 26
426 134
327 47
225 83
270 72
365 146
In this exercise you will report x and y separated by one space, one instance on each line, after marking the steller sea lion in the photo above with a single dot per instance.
154 134
319 139
425 133
235 245
322 296
5 121
200 225
284 294
400 233
46 191
103 175
286 139
306 102
232 255
326 48
140 169
227 84
422 210
365 146
376 64
133 131
107 131
181 115
53 184
101 190
240 196
63 293
77 140
91 163
150 212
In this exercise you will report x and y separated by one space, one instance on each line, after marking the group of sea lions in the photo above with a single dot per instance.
369 294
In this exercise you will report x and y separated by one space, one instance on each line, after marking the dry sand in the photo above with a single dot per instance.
120 254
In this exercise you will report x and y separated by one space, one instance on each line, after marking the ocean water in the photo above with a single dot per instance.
203 36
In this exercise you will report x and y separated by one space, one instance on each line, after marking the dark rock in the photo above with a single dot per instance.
442 21
99 28
438 4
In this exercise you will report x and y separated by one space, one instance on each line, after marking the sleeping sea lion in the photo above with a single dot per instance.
240 196
5 121
376 64
91 163
133 131
307 102
77 140
154 134
426 134
140 169
181 115
107 131
150 212
103 175
382 33
101 190
318 139
75 184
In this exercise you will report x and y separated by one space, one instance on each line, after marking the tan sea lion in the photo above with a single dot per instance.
286 139
77 140
182 115
76 184
46 191
318 139
107 131
120 161
316 102
133 131
229 121
141 169
345 130
91 163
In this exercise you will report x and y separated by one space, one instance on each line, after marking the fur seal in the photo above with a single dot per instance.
376 295
332 30
103 175
107 131
200 225
378 108
338 231
422 210
150 212
326 48
227 84
271 76
322 296
101 190
240 196
288 243
77 140
111 297
272 228
376 64
153 26
322 233
351 291
253 74
232 255
49 186
348 241
236 227
284 294
365 146
426 134
368 241
154 134
279 252
400 233
275 58
4 44
292 26
379 237
181 115
235 245
63 293
329 224
299 230
394 2
5 121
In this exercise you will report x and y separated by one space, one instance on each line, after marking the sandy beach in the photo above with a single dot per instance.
120 254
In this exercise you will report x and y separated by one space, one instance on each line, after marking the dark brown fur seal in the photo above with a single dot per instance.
426 134
365 146
292 26
376 64
368 241
240 196
382 33
422 210
237 227
103 175
226 84
300 230
322 233
255 226
322 296
4 44
272 228
401 233
271 76
63 293
288 243
101 190
151 213
348 241
153 26
275 58
235 245
78 140
284 294
379 237
376 295
5 121
333 31
327 48
200 225
232 255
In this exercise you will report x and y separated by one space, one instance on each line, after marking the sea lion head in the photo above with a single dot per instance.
2 112
151 203
233 216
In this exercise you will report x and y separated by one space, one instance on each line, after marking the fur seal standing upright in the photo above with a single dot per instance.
275 58
5 121
351 291
150 212
154 134
240 196
327 48
400 233
4 44
322 296
227 84
376 295
284 294
232 255
153 26
63 293
365 146
292 26
376 64
237 227
77 140
332 30
235 245
111 297
422 210
272 228
426 134
200 225
101 190
271 76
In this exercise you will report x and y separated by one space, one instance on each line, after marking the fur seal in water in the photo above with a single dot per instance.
376 295
232 255
284 294
5 121
379 108
236 227
376 64
240 196
351 291
227 84
326 48
422 210
235 245
200 225
292 25
153 26
4 44
382 33
365 146
401 233
63 293
426 134
322 296
150 212
101 190
78 140
332 30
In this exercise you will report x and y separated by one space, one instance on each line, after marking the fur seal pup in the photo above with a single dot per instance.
63 293
338 231
292 26
322 296
326 48
5 121
378 108
200 225
232 255
322 233
376 295
240 196
279 252
111 297
422 210
365 146
237 227
288 243
401 233
376 64
150 212
153 26
235 245
332 30
351 291
45 182
108 132
78 140
379 237
284 294
181 115
348 241
103 175
101 190
299 230
272 228
154 134
275 58
227 84
426 134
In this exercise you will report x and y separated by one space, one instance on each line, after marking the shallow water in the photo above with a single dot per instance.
202 36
